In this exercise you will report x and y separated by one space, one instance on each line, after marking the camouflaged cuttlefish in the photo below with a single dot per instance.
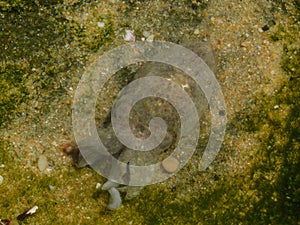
141 114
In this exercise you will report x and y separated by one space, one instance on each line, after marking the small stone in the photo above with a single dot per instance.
98 185
170 164
276 107
197 31
42 163
101 24
260 30
222 112
150 38
146 34
129 36
51 187
265 27
245 44
1 179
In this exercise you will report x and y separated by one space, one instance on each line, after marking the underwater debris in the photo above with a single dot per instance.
27 213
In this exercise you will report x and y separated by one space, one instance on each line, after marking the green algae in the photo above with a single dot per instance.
96 37
275 174
28 30
14 91
291 62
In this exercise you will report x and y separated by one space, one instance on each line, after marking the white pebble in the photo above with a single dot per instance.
42 163
1 179
98 185
101 24
51 187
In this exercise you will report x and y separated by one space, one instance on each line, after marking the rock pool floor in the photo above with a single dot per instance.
45 48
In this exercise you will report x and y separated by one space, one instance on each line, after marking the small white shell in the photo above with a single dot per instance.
32 210
129 36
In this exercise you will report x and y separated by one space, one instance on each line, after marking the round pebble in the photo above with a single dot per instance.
170 164
42 163
1 179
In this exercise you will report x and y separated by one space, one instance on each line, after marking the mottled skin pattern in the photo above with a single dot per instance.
140 116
